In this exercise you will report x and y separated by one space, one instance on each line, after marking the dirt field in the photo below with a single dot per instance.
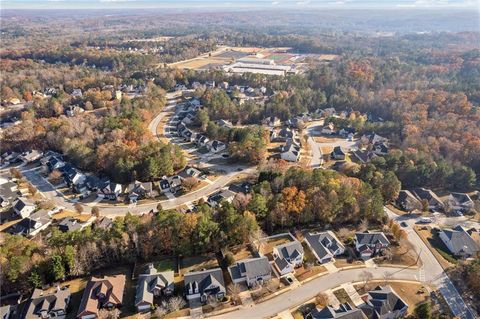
68 213
267 246
197 263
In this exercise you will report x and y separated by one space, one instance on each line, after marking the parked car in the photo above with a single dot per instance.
424 220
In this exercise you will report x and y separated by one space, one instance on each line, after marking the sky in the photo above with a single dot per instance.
234 4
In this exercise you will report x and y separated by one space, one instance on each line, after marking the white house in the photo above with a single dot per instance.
288 256
460 242
253 271
23 207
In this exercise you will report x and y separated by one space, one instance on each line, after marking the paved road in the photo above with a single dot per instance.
317 156
432 273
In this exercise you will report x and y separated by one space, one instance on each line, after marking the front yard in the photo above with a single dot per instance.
436 246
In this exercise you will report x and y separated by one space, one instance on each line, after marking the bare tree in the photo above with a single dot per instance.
364 225
176 303
322 300
366 276
257 239
160 312
78 207
234 291
95 211
109 314
55 176
343 233
212 301
32 189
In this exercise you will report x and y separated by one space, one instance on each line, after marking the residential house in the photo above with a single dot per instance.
224 123
152 284
111 190
459 241
290 152
10 157
138 190
372 138
32 225
288 256
54 163
8 193
69 224
384 303
338 153
434 202
272 121
31 156
253 271
347 132
74 178
369 244
101 293
73 110
344 311
164 185
224 195
460 202
407 201
380 148
364 156
283 135
223 85
216 146
244 187
200 285
77 93
104 223
210 84
190 172
23 207
324 245
47 305
328 129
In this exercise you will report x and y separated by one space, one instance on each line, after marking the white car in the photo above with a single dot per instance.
425 220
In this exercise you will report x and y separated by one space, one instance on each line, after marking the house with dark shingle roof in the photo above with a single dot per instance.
224 195
407 201
200 285
32 225
324 245
47 305
23 207
337 153
252 271
460 242
369 244
460 202
434 202
288 256
101 293
383 303
364 156
344 311
152 284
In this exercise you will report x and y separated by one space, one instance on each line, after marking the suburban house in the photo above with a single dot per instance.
7 312
219 197
344 311
54 163
272 121
138 190
288 256
372 138
189 172
32 225
328 129
383 303
283 135
380 148
224 123
101 293
111 190
23 207
364 156
324 245
460 202
31 156
152 284
216 146
69 224
74 178
8 193
252 271
290 152
338 153
47 305
460 242
434 202
407 201
369 244
199 285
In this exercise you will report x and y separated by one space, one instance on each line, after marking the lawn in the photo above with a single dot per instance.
241 252
401 255
303 273
436 246
68 213
342 296
267 246
196 263
76 287
341 262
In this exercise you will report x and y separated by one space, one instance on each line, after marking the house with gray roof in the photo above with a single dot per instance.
69 224
252 271
224 195
460 241
152 284
200 285
324 245
7 312
407 201
369 244
344 311
47 305
8 193
287 257
461 202
383 303
23 207
434 202
32 225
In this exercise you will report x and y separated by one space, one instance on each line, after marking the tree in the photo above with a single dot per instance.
57 270
322 300
228 260
189 183
78 207
95 211
176 303
32 189
390 186
35 279
108 314
55 176
69 258
366 277
258 205
423 310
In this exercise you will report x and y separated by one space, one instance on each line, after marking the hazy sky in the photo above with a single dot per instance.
247 4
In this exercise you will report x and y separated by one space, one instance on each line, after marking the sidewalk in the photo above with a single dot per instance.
352 293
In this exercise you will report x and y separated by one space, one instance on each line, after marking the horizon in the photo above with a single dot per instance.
195 5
